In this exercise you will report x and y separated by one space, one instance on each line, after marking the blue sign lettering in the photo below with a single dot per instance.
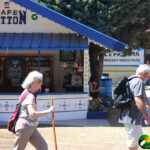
3 20
13 17
22 17
9 19
3 12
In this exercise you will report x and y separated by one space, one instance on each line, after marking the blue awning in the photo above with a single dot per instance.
72 24
42 41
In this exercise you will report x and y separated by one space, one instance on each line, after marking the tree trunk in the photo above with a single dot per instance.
96 54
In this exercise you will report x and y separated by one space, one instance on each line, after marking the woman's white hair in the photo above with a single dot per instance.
143 68
32 77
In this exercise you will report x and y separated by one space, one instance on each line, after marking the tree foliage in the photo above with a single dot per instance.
125 20
89 12
129 20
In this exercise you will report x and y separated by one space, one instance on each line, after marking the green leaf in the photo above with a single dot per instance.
57 2
42 3
68 6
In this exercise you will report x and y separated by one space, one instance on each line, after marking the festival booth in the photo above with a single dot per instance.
34 37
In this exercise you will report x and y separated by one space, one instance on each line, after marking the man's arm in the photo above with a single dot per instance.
140 104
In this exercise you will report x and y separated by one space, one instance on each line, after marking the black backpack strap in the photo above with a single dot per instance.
129 79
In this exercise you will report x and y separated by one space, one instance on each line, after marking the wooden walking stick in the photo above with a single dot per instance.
53 123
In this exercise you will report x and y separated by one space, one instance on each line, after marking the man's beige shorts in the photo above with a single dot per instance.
134 132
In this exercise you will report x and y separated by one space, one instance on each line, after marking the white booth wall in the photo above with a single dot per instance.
68 106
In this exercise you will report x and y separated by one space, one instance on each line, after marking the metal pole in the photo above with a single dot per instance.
39 60
39 64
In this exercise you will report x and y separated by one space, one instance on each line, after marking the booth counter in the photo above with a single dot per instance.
39 38
68 105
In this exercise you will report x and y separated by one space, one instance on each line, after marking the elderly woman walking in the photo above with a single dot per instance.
26 126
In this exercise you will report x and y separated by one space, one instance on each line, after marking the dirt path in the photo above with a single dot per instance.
76 138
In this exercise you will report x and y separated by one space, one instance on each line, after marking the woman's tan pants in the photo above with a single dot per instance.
25 134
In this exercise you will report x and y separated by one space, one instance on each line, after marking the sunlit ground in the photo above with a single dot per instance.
76 138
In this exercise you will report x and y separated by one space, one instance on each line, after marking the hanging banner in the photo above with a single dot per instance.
86 69
116 58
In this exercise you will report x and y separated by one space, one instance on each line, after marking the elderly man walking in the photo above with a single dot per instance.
134 116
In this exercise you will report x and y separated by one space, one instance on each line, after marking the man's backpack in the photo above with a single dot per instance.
121 93
14 116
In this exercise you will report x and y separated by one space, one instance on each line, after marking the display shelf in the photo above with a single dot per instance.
45 69
15 74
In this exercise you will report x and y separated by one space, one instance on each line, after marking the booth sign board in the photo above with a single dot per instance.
116 59
13 16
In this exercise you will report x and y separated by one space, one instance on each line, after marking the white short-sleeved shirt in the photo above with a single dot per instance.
29 99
